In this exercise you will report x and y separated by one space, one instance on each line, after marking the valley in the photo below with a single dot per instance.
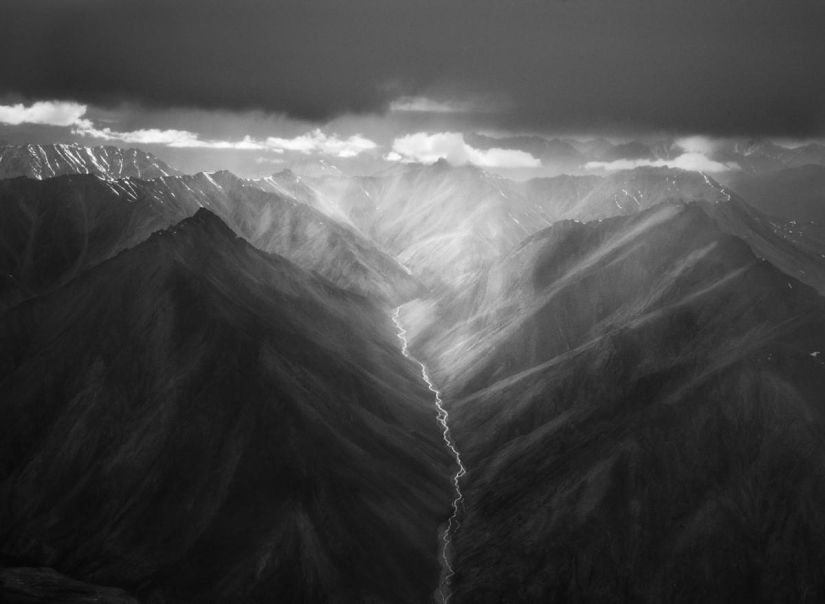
458 503
430 383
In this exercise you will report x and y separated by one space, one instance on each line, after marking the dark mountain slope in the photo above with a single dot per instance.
47 161
797 251
21 585
639 405
54 229
198 421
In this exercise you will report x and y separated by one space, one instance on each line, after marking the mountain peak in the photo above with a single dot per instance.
204 219
204 228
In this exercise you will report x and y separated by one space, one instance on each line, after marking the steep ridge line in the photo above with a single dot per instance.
452 523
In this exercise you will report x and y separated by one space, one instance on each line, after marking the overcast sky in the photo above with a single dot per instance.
252 70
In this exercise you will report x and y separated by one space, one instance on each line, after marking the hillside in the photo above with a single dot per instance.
633 426
241 428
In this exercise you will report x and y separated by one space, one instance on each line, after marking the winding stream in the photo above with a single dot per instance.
443 416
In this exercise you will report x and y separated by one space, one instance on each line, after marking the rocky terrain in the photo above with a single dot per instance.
196 420
635 428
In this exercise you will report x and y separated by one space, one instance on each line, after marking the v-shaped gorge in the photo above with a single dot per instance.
195 420
638 402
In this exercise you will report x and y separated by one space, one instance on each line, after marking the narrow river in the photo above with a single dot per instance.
452 524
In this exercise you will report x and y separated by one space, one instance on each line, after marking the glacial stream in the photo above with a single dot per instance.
452 524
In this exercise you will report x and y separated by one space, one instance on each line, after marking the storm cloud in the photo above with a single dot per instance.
715 67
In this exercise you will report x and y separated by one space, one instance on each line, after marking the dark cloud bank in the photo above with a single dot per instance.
716 67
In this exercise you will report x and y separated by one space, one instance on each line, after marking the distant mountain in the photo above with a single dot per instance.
634 150
786 244
751 157
300 188
47 161
586 198
666 149
195 420
446 223
638 403
630 150
812 153
286 184
443 222
761 156
592 148
53 230
315 167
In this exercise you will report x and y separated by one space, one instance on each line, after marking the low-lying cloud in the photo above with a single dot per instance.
317 142
693 161
168 138
50 113
70 114
311 142
428 148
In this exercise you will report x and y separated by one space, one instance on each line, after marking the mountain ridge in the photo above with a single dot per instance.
56 228
47 161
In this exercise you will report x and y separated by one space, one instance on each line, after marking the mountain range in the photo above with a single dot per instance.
448 223
47 161
56 228
207 398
